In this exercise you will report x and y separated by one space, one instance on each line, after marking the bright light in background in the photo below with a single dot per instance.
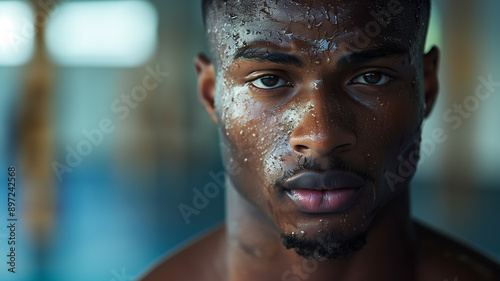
5 29
16 33
103 34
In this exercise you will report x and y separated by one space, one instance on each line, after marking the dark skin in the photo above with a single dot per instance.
298 85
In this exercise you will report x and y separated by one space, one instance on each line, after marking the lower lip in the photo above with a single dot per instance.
323 201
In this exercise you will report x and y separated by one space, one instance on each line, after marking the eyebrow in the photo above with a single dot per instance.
264 55
378 52
360 57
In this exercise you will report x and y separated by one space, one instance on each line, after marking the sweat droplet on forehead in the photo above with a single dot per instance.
324 26
281 22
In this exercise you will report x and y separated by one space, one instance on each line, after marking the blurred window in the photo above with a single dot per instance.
103 33
16 33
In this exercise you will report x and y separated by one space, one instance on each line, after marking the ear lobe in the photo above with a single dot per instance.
431 82
206 85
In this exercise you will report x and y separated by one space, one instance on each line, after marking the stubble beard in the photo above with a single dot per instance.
332 245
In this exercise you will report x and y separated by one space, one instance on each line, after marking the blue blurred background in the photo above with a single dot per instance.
66 70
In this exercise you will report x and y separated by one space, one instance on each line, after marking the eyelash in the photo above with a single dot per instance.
284 82
388 79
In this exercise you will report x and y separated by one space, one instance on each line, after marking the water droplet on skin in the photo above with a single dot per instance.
253 135
245 160
241 132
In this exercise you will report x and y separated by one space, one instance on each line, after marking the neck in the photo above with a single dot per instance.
255 250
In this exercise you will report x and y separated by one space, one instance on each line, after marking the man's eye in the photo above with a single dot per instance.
372 78
269 82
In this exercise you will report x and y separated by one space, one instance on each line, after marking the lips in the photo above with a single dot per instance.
324 192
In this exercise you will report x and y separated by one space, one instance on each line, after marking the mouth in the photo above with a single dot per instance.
324 192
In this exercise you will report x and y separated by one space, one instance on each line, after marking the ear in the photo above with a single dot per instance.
431 83
206 84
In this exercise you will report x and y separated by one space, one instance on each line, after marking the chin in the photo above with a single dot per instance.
330 245
326 236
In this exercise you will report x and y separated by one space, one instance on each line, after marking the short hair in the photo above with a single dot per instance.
424 7
205 7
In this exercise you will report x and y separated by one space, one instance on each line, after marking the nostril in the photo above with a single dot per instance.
300 148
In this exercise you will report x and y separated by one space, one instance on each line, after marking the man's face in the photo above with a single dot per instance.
318 102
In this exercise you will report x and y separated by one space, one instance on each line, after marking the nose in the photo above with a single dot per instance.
324 130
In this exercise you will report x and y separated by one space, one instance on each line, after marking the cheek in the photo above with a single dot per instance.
281 122
256 135
252 138
248 133
238 126
390 129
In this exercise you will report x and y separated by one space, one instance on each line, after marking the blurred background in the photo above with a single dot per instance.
99 114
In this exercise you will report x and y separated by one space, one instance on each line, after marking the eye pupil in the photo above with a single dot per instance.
270 81
373 77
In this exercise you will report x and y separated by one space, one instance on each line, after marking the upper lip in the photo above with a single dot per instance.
326 180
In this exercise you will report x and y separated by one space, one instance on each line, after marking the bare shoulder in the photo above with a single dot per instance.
442 258
201 260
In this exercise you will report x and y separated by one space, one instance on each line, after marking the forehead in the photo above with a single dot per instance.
313 26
